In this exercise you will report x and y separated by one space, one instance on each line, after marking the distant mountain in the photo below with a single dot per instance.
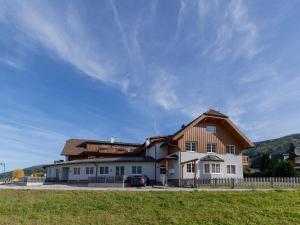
28 171
273 146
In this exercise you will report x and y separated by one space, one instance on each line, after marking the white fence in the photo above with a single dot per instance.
251 182
107 181
28 181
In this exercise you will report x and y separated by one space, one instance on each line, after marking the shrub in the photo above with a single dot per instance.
284 169
17 174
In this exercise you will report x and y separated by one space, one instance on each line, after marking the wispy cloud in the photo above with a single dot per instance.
236 32
65 36
163 92
12 62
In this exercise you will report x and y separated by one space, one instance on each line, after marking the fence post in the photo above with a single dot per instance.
272 182
232 183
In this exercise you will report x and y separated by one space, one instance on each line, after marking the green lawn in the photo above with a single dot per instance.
100 207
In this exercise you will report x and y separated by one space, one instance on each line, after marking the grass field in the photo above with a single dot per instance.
100 207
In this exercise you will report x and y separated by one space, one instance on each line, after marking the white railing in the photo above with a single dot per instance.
107 179
250 182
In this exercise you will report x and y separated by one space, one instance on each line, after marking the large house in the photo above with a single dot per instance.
294 158
208 147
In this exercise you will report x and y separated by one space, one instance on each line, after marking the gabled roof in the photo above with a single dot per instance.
211 113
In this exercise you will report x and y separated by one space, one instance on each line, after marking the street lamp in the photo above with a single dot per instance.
3 164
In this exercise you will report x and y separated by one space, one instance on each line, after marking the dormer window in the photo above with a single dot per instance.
211 129
190 146
211 147
230 149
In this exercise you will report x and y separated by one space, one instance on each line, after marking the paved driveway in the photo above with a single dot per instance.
78 187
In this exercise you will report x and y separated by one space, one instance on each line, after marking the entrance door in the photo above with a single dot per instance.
57 174
65 174
120 170
162 174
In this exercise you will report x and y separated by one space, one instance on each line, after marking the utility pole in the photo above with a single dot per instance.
3 164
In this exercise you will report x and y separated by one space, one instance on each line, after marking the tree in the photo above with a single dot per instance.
284 169
266 165
17 174
291 151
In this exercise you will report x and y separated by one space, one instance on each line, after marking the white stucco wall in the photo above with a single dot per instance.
229 159
147 169
160 152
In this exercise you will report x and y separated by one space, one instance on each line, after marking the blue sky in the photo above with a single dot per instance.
132 69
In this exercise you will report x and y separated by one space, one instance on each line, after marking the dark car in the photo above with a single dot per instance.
139 181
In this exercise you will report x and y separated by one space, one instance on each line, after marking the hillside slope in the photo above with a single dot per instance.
28 171
273 146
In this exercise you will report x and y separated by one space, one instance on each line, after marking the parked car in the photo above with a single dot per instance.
139 180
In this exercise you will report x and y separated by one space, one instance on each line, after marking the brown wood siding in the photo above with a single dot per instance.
222 138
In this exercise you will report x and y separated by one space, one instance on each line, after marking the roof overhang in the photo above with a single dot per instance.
168 158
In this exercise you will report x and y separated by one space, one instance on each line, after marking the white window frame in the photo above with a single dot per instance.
190 146
76 170
210 168
229 150
135 170
105 171
190 168
210 149
89 170
230 169
211 129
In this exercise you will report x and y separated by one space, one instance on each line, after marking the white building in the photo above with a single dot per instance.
208 147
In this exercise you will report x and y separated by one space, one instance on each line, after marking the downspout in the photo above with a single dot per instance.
155 163
180 170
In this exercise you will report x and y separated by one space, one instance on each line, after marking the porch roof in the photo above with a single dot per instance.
212 158
105 160
168 158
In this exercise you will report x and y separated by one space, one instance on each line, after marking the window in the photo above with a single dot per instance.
190 146
49 172
89 170
230 149
215 168
231 169
76 171
206 168
119 170
211 129
162 169
190 168
129 149
136 169
212 168
211 147
103 170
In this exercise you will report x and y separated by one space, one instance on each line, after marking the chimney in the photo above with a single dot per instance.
147 142
112 140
